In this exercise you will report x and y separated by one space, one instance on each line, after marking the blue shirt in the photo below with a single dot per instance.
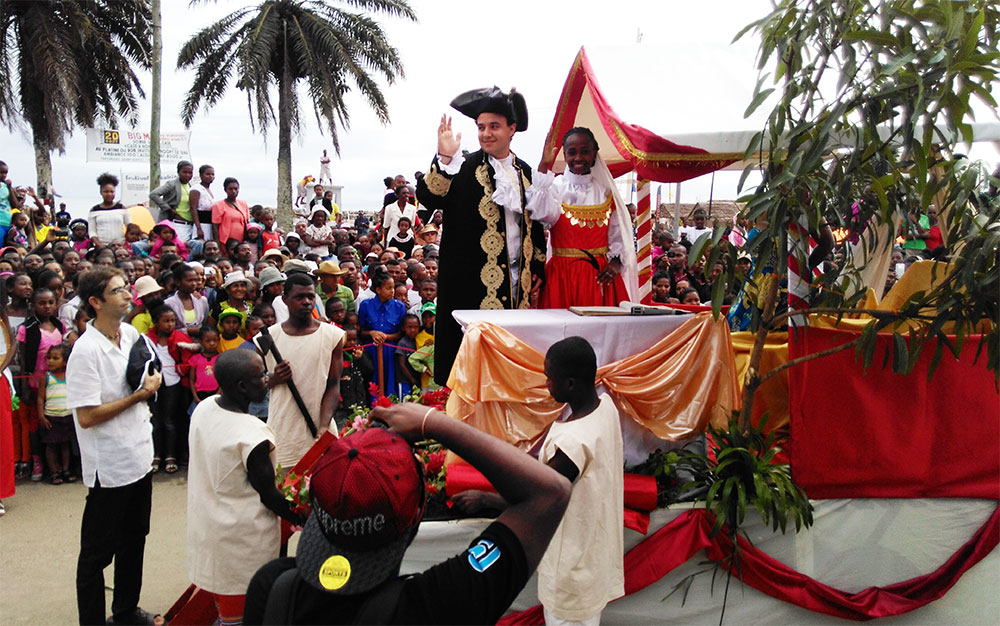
373 314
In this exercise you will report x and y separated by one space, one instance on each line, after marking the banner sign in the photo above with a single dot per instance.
133 146
134 188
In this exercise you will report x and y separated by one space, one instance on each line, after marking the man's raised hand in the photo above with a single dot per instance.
448 143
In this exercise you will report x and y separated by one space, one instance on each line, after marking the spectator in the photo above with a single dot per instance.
478 591
174 201
312 359
201 200
230 215
399 209
188 305
380 318
107 220
116 449
318 235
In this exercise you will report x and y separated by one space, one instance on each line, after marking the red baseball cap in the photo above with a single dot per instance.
367 494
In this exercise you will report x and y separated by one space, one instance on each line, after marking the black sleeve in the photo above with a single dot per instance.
260 587
261 475
473 587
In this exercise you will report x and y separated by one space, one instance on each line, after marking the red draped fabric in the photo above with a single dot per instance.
651 156
6 442
679 540
884 435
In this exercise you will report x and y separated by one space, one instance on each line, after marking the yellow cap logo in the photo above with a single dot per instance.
335 572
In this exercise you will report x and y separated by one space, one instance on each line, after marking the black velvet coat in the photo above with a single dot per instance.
472 266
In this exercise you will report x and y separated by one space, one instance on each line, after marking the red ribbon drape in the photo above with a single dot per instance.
679 540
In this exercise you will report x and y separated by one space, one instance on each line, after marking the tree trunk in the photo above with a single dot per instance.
43 167
154 124
286 82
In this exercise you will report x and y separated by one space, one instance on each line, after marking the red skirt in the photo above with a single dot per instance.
572 281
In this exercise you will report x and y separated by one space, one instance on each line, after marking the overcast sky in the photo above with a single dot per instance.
682 76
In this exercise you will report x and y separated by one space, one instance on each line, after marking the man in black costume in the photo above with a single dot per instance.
492 255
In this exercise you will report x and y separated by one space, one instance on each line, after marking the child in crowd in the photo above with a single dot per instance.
201 376
355 376
17 236
79 325
79 235
336 311
381 318
58 432
403 240
41 330
253 237
230 324
406 375
428 294
165 235
401 293
271 235
254 323
423 359
172 346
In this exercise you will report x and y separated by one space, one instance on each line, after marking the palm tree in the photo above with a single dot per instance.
280 42
74 65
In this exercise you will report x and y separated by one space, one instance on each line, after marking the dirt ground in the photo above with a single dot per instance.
40 539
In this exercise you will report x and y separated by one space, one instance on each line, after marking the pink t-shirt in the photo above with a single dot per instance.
49 338
204 372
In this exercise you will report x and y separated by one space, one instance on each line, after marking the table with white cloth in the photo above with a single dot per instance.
613 337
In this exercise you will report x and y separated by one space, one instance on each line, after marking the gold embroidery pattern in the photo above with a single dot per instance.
437 183
589 216
528 250
491 242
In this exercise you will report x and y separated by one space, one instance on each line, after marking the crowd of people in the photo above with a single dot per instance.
246 322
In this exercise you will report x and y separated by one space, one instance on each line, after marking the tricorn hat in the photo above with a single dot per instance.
493 100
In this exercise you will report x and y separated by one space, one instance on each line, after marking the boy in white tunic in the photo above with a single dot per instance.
581 570
233 504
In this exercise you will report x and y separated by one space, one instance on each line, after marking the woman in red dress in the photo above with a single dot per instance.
592 260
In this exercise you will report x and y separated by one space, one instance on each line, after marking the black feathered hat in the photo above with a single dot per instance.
493 100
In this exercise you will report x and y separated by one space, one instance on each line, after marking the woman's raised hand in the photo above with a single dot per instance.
448 143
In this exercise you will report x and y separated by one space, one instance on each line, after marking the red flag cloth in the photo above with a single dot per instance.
679 540
878 434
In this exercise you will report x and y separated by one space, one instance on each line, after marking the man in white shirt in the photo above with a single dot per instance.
116 449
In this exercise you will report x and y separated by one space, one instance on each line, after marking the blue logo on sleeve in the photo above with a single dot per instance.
483 555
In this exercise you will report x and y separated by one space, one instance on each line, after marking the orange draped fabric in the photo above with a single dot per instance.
674 389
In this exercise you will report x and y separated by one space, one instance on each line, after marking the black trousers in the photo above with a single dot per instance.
115 525
166 421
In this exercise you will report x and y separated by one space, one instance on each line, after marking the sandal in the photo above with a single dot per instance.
139 616
156 465
56 478
171 465
72 478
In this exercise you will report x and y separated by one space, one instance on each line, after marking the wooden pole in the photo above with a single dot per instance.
381 370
